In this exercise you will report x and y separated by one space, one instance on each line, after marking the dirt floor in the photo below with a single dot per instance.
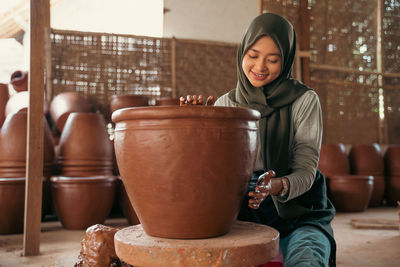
356 247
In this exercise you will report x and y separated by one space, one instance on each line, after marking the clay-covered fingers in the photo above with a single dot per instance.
210 100
195 100
256 197
189 99
265 178
200 100
182 101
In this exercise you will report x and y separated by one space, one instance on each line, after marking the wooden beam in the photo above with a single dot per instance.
39 21
304 40
260 6
173 66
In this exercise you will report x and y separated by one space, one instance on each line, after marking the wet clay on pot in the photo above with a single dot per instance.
97 248
350 193
186 169
12 199
82 201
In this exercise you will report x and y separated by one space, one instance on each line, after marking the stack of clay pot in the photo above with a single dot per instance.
392 170
186 169
120 102
367 159
13 136
84 191
348 192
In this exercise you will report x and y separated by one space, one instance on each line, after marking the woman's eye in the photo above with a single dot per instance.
252 56
273 61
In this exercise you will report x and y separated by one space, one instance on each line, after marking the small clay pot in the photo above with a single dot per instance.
64 104
127 208
4 96
393 190
333 159
392 160
378 191
12 199
186 169
19 80
82 201
127 101
350 193
366 159
85 137
168 101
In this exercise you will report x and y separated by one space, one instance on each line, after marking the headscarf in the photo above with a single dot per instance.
273 100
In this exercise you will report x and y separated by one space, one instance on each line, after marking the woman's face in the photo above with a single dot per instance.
262 62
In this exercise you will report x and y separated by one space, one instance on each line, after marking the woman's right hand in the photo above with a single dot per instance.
195 100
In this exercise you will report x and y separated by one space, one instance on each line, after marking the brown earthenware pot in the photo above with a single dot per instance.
350 193
4 96
186 169
82 201
85 137
378 191
64 104
127 208
393 190
366 159
333 159
392 160
12 199
167 101
19 80
127 101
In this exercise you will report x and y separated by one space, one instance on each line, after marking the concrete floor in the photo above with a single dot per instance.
356 247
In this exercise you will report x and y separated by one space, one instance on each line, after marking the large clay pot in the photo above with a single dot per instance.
350 193
19 80
366 159
4 96
82 201
167 101
64 104
393 190
12 199
85 138
333 159
127 208
378 191
392 160
186 169
127 101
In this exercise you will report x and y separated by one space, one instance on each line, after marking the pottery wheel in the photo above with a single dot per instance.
247 244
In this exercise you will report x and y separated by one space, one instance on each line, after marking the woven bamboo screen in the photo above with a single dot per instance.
99 65
346 71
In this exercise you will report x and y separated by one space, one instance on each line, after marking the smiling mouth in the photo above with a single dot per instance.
259 76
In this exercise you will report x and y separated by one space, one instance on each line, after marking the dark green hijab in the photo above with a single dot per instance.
274 99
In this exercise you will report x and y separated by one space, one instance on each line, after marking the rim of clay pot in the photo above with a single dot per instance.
103 161
167 112
350 177
82 180
13 180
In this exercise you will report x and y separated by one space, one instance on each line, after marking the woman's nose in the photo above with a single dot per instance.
260 65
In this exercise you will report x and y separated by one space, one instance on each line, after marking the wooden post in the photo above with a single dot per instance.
39 20
260 7
173 66
304 40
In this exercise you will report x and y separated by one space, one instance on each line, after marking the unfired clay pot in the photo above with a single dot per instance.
127 208
168 101
82 201
64 104
4 96
393 190
366 159
333 159
186 169
350 193
19 80
392 160
12 199
127 101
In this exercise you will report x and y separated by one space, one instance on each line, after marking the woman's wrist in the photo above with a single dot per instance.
280 186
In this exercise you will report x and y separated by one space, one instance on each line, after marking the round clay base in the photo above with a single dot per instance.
247 244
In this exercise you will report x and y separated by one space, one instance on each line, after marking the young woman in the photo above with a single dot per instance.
291 194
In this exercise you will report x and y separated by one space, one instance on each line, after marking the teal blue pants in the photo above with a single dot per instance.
305 246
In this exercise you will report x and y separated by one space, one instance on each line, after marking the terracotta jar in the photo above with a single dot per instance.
64 104
366 159
393 190
127 208
350 193
168 101
186 169
19 80
333 159
126 101
4 96
85 138
392 160
12 199
82 201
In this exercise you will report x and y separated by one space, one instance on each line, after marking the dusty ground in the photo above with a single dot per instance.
356 247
